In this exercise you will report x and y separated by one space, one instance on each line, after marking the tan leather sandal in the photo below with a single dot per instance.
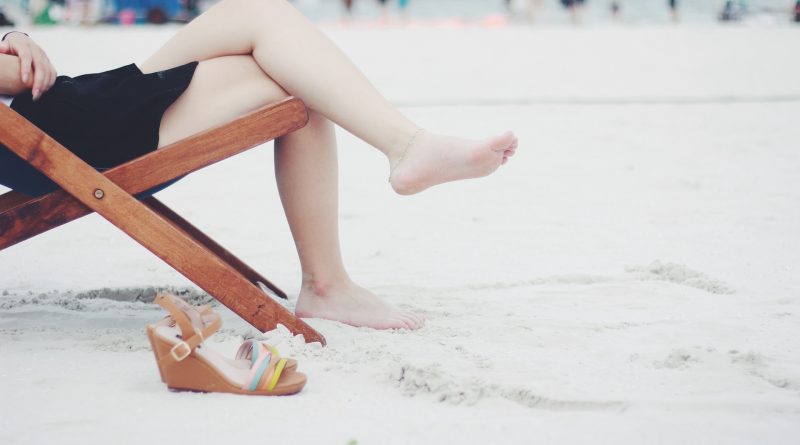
186 365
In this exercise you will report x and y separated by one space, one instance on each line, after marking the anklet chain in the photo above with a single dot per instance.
405 150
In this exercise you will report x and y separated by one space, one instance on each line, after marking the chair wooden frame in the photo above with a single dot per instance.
150 222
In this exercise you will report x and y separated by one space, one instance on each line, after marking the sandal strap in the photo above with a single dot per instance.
272 379
249 350
194 326
266 369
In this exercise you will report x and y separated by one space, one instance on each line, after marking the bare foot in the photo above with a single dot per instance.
432 159
352 304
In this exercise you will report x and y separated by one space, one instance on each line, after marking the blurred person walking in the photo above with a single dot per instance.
529 9
575 8
733 11
797 12
673 10
616 10
402 5
384 8
348 9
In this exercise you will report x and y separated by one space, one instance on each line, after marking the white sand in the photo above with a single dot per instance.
631 277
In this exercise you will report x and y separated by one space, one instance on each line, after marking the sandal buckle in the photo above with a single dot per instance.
174 351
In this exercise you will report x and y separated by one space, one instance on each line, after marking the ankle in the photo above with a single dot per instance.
324 286
401 141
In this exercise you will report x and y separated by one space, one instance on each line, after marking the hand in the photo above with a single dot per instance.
36 71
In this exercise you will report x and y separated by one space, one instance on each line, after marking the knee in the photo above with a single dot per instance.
317 121
241 77
262 85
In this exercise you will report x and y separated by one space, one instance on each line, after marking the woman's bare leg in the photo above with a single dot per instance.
306 64
307 173
222 89
226 87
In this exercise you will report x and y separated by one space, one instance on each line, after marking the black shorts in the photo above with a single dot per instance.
106 119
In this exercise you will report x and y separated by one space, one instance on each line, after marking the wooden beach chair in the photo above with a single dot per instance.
150 222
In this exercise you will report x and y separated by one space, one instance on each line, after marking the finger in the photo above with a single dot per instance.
5 48
43 71
52 79
53 74
24 65
39 75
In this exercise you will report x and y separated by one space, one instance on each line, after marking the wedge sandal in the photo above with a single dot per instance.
185 364
206 317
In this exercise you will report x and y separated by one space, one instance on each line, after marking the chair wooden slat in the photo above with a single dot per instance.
12 199
152 169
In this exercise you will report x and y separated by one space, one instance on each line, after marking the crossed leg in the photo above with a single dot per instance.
252 52
306 64
306 169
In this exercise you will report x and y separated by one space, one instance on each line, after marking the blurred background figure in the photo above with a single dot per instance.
616 12
5 21
797 12
733 11
525 9
348 9
673 10
384 7
402 5
189 10
47 12
575 8
79 12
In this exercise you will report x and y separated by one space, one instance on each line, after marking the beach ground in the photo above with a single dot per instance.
632 276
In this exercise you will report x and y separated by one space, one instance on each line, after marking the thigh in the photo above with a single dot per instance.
221 90
225 29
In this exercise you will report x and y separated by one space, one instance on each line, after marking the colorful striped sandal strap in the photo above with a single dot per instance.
249 350
267 367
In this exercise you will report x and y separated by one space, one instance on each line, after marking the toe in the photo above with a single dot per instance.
503 141
397 322
418 322
409 320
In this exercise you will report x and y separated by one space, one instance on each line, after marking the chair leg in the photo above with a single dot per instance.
12 199
192 231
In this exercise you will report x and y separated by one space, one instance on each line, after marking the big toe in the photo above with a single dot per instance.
503 141
396 322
